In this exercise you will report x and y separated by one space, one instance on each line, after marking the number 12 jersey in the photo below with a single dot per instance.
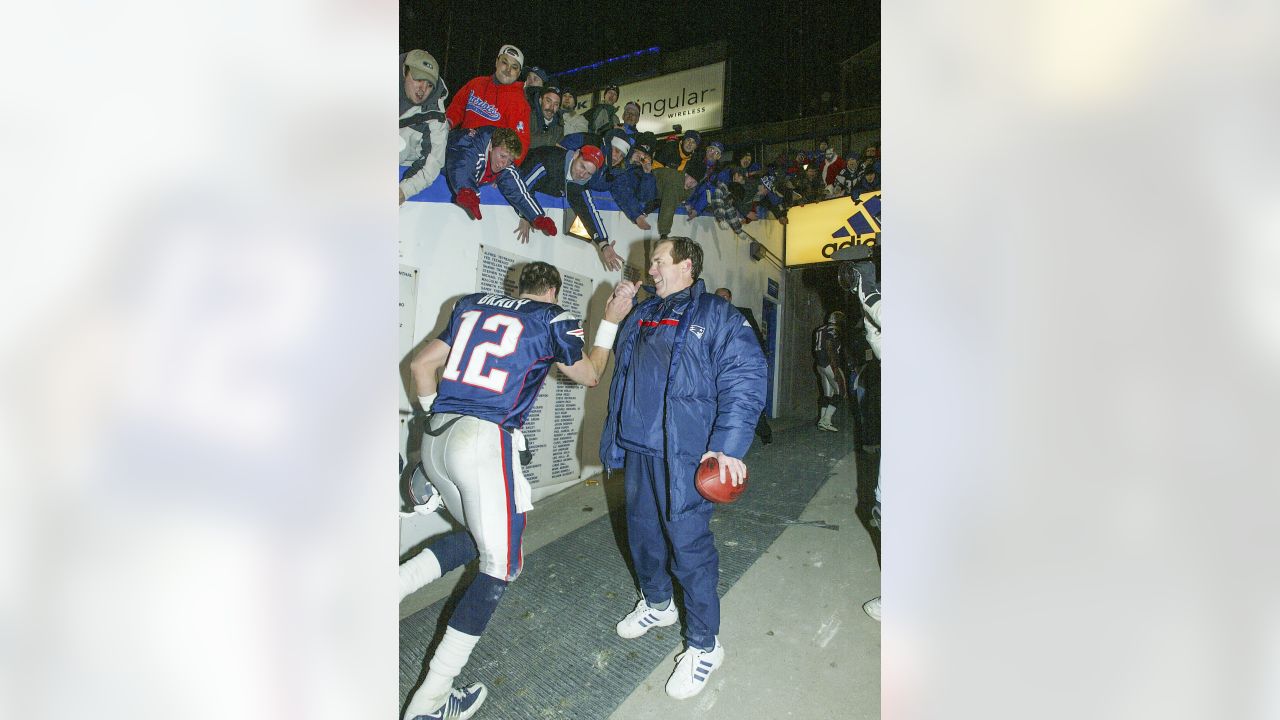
500 350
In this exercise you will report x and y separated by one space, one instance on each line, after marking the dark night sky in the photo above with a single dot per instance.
781 54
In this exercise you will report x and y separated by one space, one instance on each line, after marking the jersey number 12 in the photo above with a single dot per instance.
495 380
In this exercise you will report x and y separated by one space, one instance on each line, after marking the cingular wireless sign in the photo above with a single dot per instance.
692 98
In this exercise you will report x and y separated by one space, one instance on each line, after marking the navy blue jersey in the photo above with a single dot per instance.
826 345
501 349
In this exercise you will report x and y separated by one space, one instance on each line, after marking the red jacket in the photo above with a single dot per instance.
484 102
831 169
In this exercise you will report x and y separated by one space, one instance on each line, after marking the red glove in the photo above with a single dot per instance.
470 201
545 224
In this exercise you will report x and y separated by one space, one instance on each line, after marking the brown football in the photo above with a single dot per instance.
709 486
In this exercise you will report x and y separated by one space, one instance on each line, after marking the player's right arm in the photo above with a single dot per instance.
583 372
591 367
426 365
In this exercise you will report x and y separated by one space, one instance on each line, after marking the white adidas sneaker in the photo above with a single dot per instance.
640 620
693 669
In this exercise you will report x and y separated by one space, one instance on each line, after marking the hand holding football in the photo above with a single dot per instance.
712 488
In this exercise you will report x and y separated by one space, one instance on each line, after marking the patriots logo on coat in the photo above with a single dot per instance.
697 330
478 106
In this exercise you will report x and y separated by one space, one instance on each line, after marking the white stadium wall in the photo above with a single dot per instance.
443 245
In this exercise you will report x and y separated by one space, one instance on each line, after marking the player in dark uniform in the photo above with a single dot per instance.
495 354
827 356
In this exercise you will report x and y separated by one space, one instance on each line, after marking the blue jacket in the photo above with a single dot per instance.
465 162
544 171
700 196
714 393
632 189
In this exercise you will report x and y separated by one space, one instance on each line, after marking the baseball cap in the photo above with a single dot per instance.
717 145
592 154
514 52
422 66
535 70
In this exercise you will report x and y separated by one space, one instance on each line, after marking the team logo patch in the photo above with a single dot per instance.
485 110
576 333
697 330
520 126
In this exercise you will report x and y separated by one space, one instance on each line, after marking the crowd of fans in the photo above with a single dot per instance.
529 136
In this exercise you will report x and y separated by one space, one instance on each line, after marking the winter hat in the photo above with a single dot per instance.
695 170
767 181
422 66
546 76
607 88
691 134
592 154
514 52
618 139
717 145
644 142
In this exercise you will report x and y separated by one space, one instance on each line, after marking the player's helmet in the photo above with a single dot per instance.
849 257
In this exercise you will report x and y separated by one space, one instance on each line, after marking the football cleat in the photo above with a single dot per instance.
461 704
872 608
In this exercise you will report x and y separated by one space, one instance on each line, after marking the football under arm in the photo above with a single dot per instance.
426 364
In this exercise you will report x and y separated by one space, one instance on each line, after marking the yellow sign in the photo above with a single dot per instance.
816 231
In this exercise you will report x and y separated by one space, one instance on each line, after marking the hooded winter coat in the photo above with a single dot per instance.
423 136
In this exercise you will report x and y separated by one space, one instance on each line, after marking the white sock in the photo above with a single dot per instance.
418 571
452 654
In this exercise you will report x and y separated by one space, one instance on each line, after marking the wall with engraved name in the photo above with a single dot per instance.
551 427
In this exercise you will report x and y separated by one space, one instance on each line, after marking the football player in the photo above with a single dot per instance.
827 356
494 354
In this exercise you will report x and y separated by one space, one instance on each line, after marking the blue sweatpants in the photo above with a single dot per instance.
662 549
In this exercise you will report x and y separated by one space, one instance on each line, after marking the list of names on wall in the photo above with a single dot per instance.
552 425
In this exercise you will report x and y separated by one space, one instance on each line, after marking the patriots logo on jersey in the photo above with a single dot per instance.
520 126
485 110
576 332
697 330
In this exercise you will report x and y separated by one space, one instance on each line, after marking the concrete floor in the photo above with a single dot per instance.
797 641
